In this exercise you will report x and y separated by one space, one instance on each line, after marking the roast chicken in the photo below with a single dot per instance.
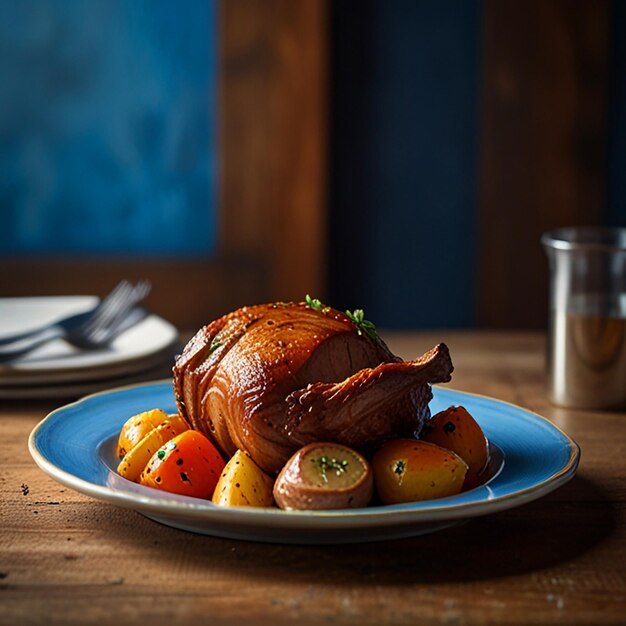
272 378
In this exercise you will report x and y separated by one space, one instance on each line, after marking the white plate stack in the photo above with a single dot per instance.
59 370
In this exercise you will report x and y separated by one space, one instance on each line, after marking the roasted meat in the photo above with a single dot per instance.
272 378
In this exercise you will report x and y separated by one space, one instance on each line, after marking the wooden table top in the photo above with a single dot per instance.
66 558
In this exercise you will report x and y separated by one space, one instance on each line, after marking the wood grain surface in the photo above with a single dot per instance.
68 559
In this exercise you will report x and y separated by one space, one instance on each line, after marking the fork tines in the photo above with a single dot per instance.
113 309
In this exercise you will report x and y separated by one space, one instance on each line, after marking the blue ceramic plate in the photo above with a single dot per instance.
75 445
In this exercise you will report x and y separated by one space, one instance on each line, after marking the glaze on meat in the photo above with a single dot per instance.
272 378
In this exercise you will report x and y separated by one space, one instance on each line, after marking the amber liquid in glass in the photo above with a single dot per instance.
587 361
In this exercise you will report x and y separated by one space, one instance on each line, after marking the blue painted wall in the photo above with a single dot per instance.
107 126
404 161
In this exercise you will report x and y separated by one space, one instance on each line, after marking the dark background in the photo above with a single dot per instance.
399 156
405 102
460 132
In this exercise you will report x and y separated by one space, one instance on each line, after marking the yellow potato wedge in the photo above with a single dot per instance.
243 483
408 470
455 429
137 427
138 457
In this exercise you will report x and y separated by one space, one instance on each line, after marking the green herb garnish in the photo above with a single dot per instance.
362 325
315 304
357 317
399 467
325 464
216 343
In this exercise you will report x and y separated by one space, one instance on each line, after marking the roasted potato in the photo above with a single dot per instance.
324 476
408 470
137 427
188 465
455 429
243 483
136 459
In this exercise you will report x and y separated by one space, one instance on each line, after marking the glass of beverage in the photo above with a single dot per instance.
587 331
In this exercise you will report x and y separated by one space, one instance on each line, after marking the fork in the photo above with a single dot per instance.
89 330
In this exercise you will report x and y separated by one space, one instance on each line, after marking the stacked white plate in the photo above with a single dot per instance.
58 369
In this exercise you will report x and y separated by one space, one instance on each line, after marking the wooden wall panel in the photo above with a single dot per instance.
545 66
274 126
189 293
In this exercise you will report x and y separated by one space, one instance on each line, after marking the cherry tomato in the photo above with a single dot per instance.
189 464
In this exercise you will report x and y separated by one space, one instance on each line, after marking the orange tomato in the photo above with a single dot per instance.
188 464
456 430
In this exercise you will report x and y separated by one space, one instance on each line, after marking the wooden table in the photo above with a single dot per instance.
65 558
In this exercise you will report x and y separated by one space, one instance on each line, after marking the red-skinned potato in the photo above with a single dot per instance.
324 476
455 429
408 470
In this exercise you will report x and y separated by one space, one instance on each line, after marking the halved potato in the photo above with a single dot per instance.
324 476
138 457
137 427
455 429
408 470
243 483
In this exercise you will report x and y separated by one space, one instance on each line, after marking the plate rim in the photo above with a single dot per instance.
192 508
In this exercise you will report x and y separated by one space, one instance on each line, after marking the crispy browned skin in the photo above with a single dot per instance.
271 378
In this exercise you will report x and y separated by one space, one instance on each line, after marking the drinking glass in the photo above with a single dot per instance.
587 330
